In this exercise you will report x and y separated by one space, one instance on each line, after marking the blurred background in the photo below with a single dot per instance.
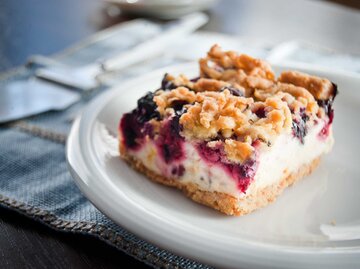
46 27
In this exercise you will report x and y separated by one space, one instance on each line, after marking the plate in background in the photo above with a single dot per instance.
163 9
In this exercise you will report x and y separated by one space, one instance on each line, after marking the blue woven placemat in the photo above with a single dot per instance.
34 179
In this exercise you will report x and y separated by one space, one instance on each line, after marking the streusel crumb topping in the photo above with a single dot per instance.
238 100
320 88
164 99
221 112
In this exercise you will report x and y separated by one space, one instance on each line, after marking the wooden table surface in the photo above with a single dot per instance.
46 27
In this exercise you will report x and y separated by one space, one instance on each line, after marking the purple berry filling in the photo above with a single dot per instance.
324 133
178 170
299 127
242 173
327 105
146 109
170 143
213 154
133 131
134 126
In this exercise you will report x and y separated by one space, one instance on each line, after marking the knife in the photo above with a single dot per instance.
87 77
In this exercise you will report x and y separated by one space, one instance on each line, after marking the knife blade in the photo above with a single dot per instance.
20 99
86 77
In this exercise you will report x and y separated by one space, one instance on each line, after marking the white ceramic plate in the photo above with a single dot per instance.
313 224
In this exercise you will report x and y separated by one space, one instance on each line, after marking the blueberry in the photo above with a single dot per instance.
195 79
212 154
260 113
242 173
248 169
299 127
146 109
166 84
327 104
135 126
234 91
178 106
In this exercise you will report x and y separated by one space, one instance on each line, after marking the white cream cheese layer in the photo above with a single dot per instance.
285 156
208 177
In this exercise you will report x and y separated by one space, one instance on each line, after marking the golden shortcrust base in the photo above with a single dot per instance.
221 201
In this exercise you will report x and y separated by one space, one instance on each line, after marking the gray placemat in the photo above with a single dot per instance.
34 179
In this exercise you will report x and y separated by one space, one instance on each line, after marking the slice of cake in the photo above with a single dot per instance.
234 137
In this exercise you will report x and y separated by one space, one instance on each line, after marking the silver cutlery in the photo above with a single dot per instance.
87 77
23 98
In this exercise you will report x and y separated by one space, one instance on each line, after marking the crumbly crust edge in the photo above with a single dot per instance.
223 202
